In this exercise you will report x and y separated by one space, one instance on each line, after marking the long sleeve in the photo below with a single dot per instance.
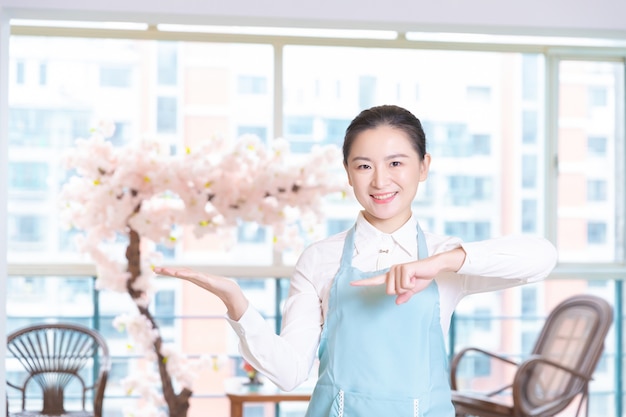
287 359
491 265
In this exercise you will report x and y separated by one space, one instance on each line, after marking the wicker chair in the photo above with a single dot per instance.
557 372
55 356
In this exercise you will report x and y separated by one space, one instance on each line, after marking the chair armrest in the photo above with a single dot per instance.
561 402
98 396
459 356
533 360
15 386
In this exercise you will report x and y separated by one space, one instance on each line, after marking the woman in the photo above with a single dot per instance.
374 302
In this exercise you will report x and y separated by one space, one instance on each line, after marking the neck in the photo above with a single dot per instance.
387 225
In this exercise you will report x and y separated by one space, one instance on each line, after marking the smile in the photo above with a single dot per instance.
383 197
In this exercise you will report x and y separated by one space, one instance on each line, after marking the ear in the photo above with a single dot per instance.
424 167
345 166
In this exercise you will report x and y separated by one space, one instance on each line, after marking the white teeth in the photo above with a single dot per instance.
383 196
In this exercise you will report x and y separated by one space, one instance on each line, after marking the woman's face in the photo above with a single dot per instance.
384 170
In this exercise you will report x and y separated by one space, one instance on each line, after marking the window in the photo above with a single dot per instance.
596 190
299 126
480 94
487 174
482 144
43 73
465 190
121 136
596 145
529 171
251 84
529 126
455 140
32 176
119 77
250 233
165 307
482 366
530 77
167 63
20 72
468 231
28 127
299 132
25 229
167 110
598 96
334 226
529 301
596 232
528 340
367 91
482 319
258 131
590 157
529 216
336 130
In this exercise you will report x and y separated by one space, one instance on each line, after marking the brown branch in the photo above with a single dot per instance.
178 404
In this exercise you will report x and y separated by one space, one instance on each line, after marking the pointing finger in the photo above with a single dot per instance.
376 280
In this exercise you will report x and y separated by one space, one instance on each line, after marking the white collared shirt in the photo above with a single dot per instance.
489 265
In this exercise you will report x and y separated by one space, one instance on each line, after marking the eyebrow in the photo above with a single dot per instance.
388 157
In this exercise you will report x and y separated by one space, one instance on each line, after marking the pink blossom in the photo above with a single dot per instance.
208 189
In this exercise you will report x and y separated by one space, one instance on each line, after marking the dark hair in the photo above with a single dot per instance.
389 115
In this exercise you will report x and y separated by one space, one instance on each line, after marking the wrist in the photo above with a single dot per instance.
236 307
452 261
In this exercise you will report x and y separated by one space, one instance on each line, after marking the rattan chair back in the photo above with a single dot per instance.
53 356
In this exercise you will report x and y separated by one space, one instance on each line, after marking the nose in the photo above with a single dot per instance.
380 178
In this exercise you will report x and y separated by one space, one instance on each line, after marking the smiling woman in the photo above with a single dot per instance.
336 308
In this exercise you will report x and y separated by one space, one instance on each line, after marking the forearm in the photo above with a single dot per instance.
510 257
450 261
286 359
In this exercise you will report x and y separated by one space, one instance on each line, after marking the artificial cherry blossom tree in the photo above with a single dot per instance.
140 192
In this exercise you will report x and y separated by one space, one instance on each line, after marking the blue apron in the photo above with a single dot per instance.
379 359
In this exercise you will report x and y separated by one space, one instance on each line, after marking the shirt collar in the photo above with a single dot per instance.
367 237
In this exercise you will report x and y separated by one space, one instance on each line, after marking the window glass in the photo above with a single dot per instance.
590 136
111 76
250 84
28 175
529 171
483 116
167 113
167 63
20 72
473 134
529 216
43 74
530 128
195 97
596 146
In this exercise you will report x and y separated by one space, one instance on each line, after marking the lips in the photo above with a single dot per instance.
382 198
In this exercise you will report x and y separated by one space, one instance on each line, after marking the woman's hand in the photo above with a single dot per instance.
225 289
405 280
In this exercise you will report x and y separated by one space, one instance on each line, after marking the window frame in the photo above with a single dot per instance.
553 53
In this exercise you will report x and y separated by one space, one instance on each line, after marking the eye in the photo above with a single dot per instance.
396 163
363 166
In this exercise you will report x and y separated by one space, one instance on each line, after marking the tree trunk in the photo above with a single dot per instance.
177 404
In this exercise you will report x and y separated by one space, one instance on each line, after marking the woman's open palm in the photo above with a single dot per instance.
225 288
